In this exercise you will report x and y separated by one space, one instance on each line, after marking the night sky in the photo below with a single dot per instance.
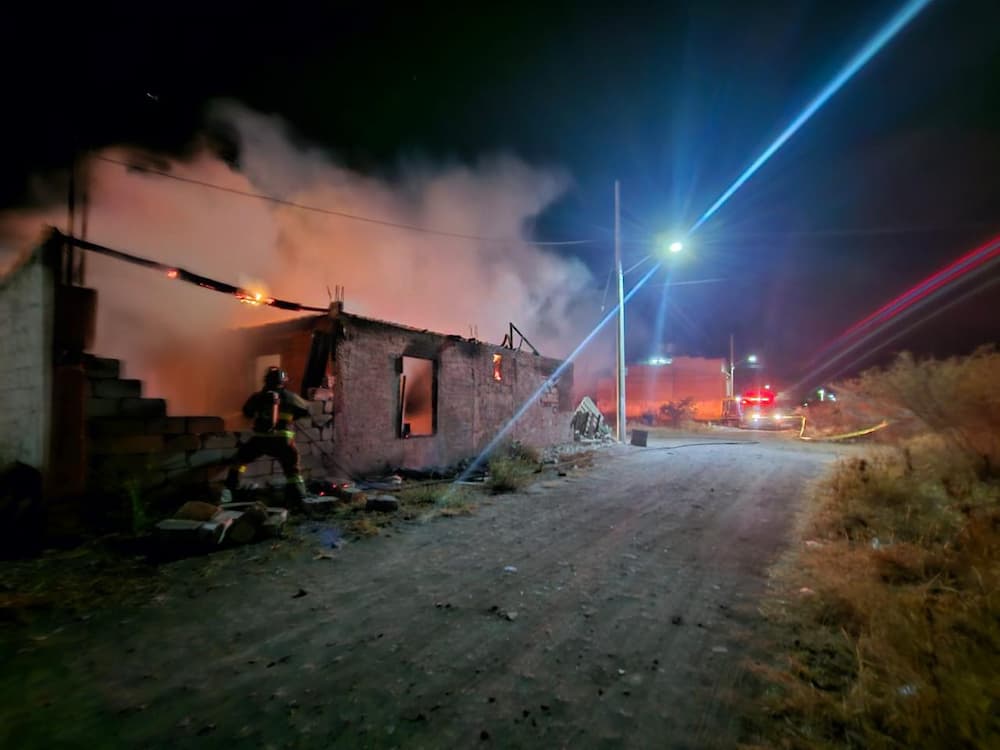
894 178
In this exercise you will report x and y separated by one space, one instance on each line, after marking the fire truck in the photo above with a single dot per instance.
759 411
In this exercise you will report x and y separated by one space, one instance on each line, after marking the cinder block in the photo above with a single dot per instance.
181 443
166 426
322 420
201 458
259 469
201 425
304 422
311 434
190 476
115 388
102 367
142 407
313 462
170 462
328 407
99 427
102 407
129 444
316 407
218 440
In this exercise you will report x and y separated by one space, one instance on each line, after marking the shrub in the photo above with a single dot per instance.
674 413
955 398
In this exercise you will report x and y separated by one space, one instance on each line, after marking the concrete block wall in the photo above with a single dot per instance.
132 441
26 313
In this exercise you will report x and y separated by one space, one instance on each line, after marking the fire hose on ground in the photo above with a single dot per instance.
846 436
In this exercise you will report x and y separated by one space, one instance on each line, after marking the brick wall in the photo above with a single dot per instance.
471 406
26 314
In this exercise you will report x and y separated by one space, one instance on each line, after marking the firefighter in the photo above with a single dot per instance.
273 411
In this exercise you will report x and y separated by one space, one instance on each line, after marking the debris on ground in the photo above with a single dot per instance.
382 504
203 525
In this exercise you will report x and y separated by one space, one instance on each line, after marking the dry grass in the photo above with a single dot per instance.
365 526
891 612
439 499
510 474
512 467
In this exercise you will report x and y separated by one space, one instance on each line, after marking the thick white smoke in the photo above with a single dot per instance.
423 280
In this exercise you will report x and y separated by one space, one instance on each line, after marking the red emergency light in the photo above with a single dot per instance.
762 397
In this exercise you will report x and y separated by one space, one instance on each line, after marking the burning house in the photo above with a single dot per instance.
382 395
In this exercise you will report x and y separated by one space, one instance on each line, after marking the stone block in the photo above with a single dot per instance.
316 407
328 407
142 407
115 388
201 425
304 423
218 440
322 420
311 434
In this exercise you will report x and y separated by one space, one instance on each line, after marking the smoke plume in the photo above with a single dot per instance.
425 280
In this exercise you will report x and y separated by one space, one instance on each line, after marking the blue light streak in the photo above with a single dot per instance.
661 320
551 379
871 48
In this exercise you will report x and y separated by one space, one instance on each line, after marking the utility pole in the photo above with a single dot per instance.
732 368
620 380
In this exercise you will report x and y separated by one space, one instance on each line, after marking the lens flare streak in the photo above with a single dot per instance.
904 306
947 275
870 49
505 430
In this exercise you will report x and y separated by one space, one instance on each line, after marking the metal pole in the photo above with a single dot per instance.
620 381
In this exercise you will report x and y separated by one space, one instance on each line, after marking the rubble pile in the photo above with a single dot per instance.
588 422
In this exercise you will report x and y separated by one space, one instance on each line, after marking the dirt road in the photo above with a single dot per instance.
610 608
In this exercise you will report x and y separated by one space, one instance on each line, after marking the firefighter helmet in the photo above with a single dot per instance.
275 377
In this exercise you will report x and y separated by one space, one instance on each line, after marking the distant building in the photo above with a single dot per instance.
649 386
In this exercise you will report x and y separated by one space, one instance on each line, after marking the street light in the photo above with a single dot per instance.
752 359
674 247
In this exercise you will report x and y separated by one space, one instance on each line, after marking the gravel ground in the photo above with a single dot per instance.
613 607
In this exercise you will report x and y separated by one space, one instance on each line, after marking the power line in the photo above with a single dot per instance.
329 211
